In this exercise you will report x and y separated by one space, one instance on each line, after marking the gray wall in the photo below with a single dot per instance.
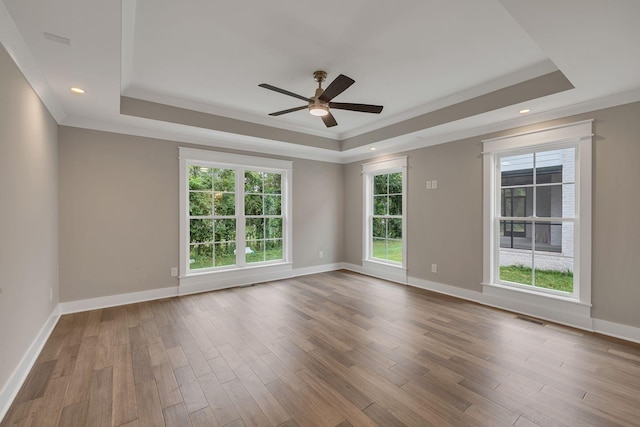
28 216
119 213
445 225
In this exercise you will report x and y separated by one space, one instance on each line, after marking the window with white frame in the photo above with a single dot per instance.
538 212
385 207
235 211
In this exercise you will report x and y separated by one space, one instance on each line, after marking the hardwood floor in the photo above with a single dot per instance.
332 349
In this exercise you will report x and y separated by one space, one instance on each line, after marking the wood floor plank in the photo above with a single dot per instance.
50 409
75 414
193 396
248 409
168 388
176 416
203 418
220 405
142 369
124 393
331 349
78 389
100 394
149 408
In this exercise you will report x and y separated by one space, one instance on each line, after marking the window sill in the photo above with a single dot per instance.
228 278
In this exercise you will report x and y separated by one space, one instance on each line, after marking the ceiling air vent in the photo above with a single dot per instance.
57 39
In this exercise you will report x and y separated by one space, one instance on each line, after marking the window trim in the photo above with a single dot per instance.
369 170
578 134
215 159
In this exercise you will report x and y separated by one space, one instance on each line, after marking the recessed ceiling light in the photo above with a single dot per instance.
524 111
372 148
77 90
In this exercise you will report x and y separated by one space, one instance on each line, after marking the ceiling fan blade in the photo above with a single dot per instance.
284 92
363 108
329 120
290 110
339 85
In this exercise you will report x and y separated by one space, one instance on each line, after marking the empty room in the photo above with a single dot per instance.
347 213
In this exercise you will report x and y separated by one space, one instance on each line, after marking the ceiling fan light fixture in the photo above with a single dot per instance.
318 110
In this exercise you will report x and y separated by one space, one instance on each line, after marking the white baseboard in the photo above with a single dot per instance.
391 274
197 284
116 300
617 330
316 269
19 375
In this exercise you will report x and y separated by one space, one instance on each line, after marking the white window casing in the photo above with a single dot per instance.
242 272
387 269
568 308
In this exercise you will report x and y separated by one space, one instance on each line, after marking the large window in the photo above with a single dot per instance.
537 217
538 212
236 211
385 205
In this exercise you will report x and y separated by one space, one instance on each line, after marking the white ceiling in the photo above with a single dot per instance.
413 57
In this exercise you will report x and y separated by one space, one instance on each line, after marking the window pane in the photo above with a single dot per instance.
273 228
225 204
253 204
272 205
516 273
516 235
380 184
273 183
200 203
569 165
379 248
394 250
224 180
569 200
379 227
254 252
395 183
395 205
517 170
549 166
199 178
273 250
549 201
554 257
225 254
252 182
225 230
254 228
200 256
394 230
380 204
201 230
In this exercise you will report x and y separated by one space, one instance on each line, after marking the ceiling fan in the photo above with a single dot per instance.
320 104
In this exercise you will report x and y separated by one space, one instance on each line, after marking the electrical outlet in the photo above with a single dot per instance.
320 254
434 268
428 185
434 184
174 271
